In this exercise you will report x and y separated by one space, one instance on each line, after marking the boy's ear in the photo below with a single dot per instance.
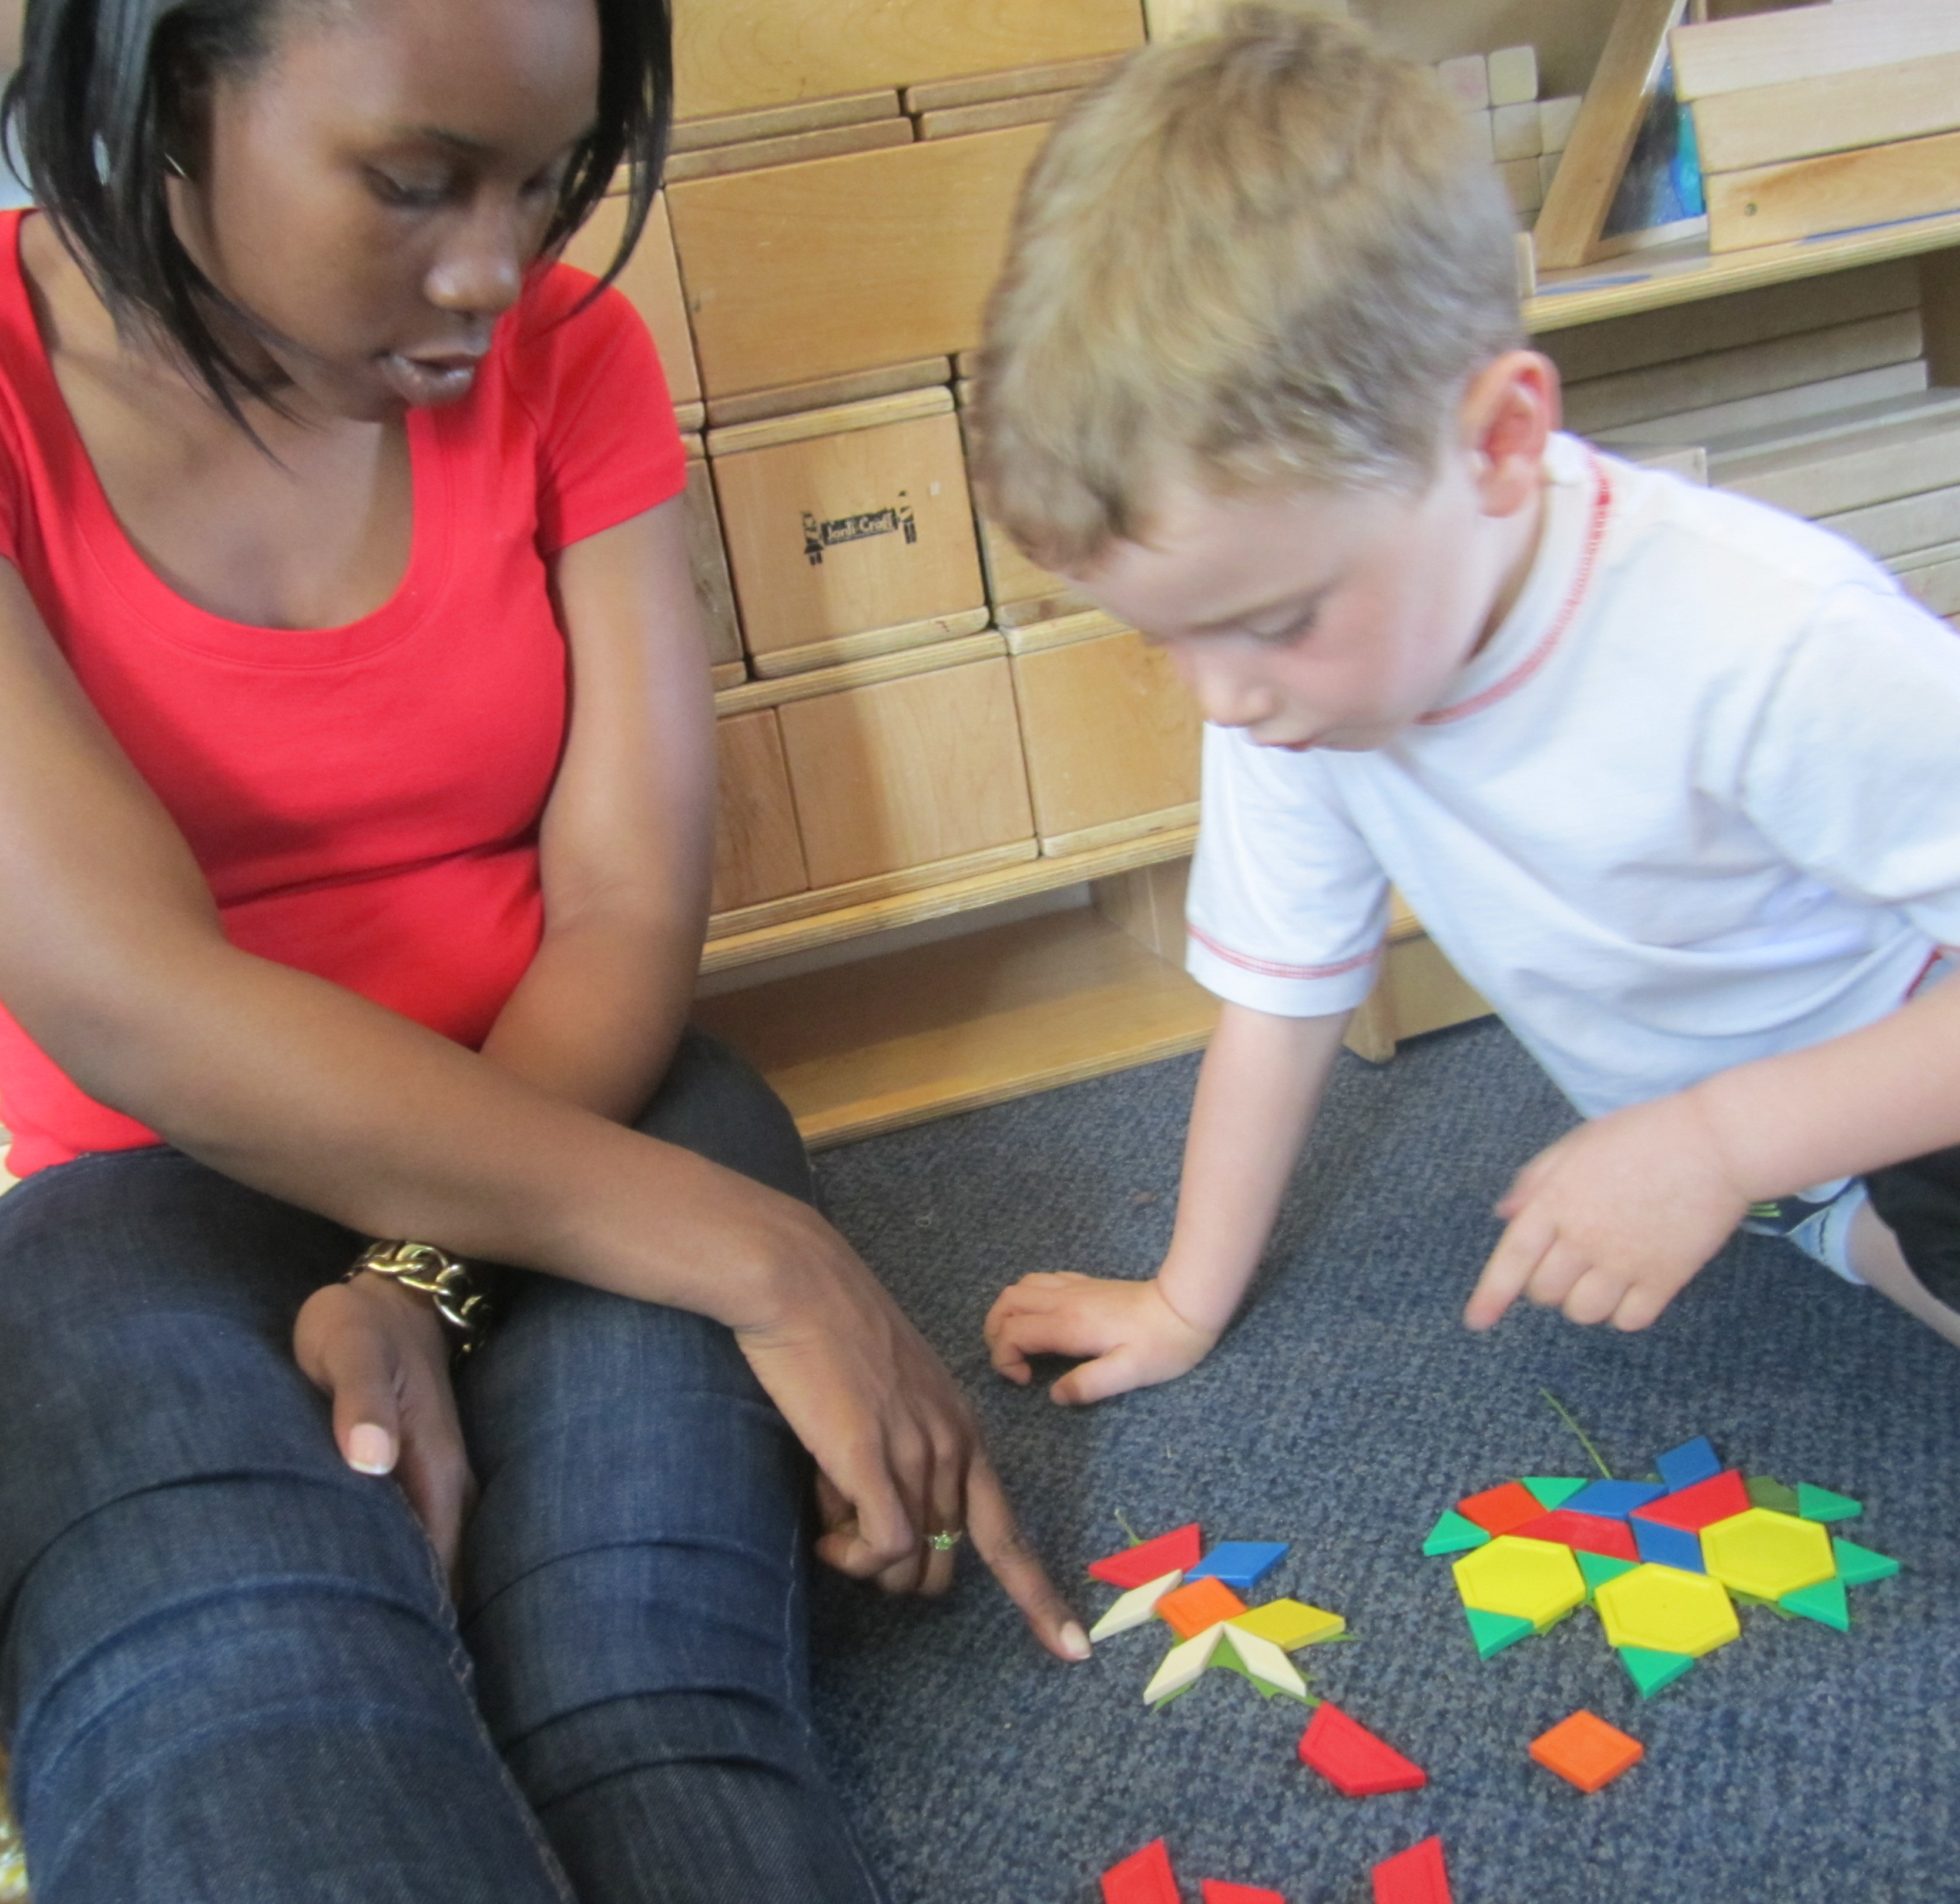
1510 409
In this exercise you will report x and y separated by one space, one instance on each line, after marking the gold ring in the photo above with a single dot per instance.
944 1543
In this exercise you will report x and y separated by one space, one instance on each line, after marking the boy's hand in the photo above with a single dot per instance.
1131 1334
1610 1222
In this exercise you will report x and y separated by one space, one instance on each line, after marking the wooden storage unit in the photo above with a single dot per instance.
892 254
651 280
849 531
1111 736
758 849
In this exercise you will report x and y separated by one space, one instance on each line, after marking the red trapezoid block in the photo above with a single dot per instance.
1144 1877
1417 1876
1352 1759
1215 1891
1719 1497
1176 1552
1586 1533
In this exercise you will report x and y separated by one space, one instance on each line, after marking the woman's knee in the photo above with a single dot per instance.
714 1102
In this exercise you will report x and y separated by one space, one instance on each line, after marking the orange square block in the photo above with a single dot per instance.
1587 1751
1503 1509
1198 1603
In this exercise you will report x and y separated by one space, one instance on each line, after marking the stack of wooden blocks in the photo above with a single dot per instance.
1525 136
905 700
1816 396
1824 118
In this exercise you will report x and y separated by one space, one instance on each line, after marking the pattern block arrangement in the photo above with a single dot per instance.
1661 1562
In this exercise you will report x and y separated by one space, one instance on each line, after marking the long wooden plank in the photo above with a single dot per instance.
1774 204
711 161
1602 136
735 56
971 1021
983 89
840 265
1833 113
779 122
1773 49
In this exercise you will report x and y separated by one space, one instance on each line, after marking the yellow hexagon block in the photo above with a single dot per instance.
1662 1609
1534 1580
1768 1554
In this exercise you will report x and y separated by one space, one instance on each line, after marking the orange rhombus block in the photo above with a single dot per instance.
1587 1751
1199 1603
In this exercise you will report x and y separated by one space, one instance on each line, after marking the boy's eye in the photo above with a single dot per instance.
1295 628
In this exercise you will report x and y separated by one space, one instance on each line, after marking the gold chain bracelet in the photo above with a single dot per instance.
450 1285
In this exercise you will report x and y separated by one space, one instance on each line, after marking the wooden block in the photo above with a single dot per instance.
708 561
1720 323
1865 391
1749 370
838 420
734 55
779 122
1483 135
1547 170
1148 904
862 529
1172 19
1514 131
1555 120
1109 732
800 400
758 854
837 650
1773 49
728 674
1831 469
1840 192
1513 72
981 89
783 290
916 770
712 161
779 693
1467 80
1835 113
1935 585
1521 181
1602 135
1912 523
650 281
1037 108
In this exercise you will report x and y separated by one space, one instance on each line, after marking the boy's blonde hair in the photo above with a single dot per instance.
1265 255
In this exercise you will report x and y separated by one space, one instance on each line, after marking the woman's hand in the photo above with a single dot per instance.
897 1449
378 1351
1127 1332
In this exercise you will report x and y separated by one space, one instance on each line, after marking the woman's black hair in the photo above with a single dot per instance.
107 93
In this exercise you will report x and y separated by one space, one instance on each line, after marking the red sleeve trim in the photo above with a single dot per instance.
1272 968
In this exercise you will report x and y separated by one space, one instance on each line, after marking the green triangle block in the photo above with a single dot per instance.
1766 1492
1859 1566
1453 1534
1824 1602
1494 1632
1651 1671
1820 1504
1756 1599
1553 1490
1598 1568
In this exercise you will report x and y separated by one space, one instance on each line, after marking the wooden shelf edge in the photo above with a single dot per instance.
1621 287
1015 882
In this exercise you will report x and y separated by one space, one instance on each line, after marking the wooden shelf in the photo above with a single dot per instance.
895 1040
1685 274
935 902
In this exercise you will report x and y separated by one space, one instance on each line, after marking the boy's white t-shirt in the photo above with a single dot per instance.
1697 802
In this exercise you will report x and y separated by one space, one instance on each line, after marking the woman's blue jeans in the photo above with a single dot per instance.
230 1673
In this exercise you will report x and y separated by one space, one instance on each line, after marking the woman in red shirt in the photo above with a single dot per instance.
356 757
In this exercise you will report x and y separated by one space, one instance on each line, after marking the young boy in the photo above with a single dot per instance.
1672 778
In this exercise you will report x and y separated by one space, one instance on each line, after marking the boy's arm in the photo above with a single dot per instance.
1258 1091
1610 1222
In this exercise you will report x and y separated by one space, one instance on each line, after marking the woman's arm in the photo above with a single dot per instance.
627 837
113 959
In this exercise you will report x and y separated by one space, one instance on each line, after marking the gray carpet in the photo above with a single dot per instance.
1346 1409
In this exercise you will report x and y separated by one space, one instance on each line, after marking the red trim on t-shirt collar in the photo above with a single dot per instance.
1272 968
1582 580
